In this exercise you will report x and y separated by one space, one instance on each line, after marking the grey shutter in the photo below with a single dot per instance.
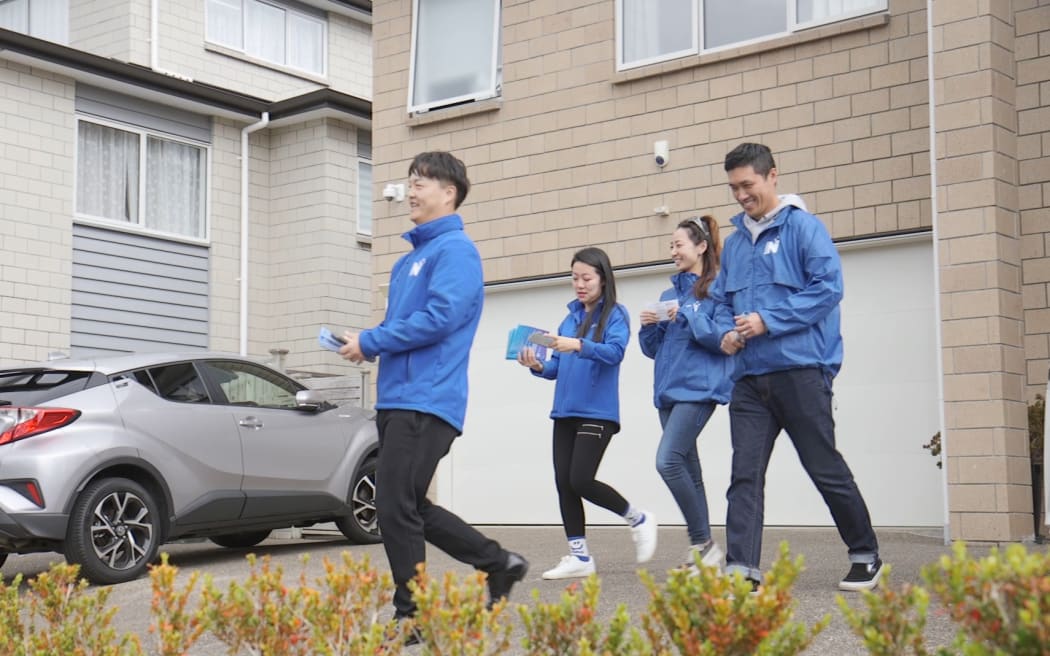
137 293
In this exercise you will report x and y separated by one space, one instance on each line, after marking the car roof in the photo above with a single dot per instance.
116 363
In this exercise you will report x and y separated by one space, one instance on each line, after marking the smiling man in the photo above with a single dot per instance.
423 344
778 295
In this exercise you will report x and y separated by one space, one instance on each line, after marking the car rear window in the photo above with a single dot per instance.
30 387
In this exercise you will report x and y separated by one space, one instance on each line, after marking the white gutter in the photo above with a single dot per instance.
263 122
931 107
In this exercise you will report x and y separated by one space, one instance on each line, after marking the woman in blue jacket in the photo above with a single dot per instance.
587 353
691 377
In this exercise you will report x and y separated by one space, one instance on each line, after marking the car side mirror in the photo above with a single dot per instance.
310 400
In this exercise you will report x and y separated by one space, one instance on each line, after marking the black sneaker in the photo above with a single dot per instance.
502 581
413 636
862 576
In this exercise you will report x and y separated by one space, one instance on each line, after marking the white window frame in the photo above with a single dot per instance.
698 47
49 33
494 89
371 215
140 225
240 48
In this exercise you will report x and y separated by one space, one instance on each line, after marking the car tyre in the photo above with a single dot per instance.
361 526
240 540
114 531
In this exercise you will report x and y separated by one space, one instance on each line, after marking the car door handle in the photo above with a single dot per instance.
250 422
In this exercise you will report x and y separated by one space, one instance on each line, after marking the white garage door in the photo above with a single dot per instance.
886 408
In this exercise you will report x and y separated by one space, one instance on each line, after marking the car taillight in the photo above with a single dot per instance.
20 423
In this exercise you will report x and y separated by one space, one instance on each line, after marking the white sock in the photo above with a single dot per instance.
578 548
633 516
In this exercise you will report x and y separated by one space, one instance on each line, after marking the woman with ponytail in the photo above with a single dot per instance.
587 353
691 375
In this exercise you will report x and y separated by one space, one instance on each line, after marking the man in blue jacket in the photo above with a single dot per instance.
423 344
778 297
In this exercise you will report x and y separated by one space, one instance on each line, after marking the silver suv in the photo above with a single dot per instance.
104 460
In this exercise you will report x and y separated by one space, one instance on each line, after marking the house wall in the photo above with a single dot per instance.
36 202
103 27
564 159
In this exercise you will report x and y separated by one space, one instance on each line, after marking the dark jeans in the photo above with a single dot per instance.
579 445
410 446
799 402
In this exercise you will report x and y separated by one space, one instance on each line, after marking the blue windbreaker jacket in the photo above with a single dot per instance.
588 382
689 363
792 277
436 294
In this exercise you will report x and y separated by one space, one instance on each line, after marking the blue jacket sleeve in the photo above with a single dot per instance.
550 367
723 315
651 337
614 342
454 287
702 327
822 272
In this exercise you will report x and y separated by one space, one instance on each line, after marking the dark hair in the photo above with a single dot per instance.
700 229
597 258
757 156
444 167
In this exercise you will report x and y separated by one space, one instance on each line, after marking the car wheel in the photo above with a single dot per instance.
114 531
240 540
361 526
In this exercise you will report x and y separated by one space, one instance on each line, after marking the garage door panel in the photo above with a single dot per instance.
885 407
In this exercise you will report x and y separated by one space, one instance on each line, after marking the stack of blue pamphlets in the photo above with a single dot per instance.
327 339
519 339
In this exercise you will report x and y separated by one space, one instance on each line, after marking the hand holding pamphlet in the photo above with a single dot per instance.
528 336
327 339
662 309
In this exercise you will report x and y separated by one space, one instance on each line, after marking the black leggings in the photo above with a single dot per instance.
579 445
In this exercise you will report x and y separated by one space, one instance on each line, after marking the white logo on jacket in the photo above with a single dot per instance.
772 247
417 266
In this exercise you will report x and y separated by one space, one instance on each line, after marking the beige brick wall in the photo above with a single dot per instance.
103 27
36 180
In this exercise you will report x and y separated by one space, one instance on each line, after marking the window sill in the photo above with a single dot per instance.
364 240
448 113
237 54
130 228
804 36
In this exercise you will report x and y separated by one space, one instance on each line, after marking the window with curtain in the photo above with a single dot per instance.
455 53
270 31
44 19
649 31
131 176
364 196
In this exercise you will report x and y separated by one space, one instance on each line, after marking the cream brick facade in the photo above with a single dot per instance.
307 266
563 159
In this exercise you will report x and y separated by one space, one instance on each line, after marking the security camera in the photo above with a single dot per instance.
661 153
388 192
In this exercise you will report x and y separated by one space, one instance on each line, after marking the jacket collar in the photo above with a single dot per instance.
421 234
781 216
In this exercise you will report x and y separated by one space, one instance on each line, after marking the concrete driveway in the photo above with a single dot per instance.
907 550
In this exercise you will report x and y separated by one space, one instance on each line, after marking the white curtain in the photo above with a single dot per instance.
107 172
305 43
226 23
14 15
174 187
264 34
454 48
49 19
812 10
652 29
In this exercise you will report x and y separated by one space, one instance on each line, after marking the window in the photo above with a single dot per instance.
455 53
177 382
270 31
651 32
364 197
246 384
132 176
44 19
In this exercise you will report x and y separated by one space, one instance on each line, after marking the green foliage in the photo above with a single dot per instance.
1001 601
176 628
453 617
700 612
893 618
570 627
1036 426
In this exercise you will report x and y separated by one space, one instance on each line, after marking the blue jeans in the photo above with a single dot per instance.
799 402
678 462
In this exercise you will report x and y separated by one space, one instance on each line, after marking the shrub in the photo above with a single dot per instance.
570 627
703 613
893 619
453 618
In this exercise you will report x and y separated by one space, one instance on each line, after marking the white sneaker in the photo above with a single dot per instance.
711 555
644 536
570 567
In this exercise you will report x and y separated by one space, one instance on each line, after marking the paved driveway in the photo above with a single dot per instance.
825 557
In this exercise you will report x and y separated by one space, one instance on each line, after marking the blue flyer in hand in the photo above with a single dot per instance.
520 337
327 339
